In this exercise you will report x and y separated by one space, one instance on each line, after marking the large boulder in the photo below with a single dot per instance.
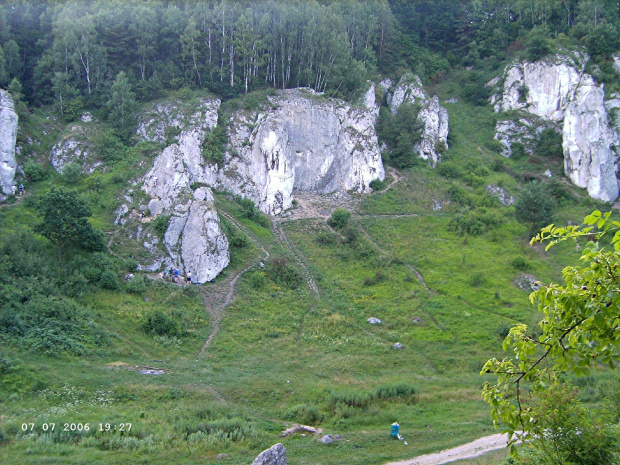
8 136
275 455
195 240
433 117
301 142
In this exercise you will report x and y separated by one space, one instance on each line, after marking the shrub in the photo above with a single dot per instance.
325 238
475 222
400 390
72 173
534 206
109 280
520 263
35 171
549 144
477 280
449 170
109 147
304 414
518 150
136 285
379 277
282 273
339 219
495 146
160 224
257 280
378 185
160 324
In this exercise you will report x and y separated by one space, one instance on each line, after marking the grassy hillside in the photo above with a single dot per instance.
283 353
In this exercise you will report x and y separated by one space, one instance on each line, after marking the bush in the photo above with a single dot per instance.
304 414
109 280
449 170
518 150
282 273
136 285
534 206
339 219
549 144
72 173
378 185
477 280
160 324
520 263
160 224
109 147
475 222
35 171
257 280
379 277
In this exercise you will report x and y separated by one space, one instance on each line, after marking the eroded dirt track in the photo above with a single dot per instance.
466 451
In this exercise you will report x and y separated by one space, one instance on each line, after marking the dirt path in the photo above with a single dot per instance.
219 296
281 236
466 451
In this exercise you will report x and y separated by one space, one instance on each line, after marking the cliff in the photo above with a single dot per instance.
301 142
8 136
559 92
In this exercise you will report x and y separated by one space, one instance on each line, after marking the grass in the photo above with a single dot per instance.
278 348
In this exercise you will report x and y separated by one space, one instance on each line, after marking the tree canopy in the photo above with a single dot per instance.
65 221
580 329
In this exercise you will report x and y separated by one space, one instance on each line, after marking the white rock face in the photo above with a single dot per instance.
176 115
194 238
589 143
302 143
542 88
275 455
8 136
559 91
433 116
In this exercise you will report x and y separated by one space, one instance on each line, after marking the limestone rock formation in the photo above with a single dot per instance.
433 116
542 88
523 130
589 143
8 136
75 147
275 455
194 238
163 120
557 90
302 142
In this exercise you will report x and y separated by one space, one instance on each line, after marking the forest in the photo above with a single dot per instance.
69 53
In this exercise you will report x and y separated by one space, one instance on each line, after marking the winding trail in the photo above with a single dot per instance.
466 451
220 295
281 236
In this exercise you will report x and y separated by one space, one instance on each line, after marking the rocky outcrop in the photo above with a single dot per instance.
523 130
558 91
8 136
589 143
302 142
543 88
275 455
75 147
194 238
434 117
165 120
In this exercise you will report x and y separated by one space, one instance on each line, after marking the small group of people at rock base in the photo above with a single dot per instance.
16 188
173 275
